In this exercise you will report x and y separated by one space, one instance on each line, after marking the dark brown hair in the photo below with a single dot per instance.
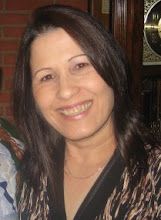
42 141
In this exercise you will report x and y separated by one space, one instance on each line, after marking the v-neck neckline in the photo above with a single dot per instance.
95 200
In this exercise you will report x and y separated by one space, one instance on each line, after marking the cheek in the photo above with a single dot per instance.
109 98
104 91
43 98
106 101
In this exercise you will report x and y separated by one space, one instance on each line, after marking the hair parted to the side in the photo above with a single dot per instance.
42 141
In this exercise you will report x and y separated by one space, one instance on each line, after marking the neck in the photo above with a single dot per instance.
94 149
86 163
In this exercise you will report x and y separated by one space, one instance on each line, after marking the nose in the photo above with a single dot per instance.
67 88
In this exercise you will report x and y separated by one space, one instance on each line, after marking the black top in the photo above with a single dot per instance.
110 197
95 201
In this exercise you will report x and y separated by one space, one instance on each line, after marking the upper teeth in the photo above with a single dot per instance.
76 110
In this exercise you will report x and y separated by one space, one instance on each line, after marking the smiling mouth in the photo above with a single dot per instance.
76 110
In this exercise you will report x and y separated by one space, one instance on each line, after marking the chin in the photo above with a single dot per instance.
80 136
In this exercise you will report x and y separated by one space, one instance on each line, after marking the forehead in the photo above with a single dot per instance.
56 43
53 47
55 36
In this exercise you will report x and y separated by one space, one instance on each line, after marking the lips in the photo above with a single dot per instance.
77 109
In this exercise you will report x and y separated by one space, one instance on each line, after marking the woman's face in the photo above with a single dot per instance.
70 94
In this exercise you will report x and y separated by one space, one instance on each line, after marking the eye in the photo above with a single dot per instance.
81 65
47 77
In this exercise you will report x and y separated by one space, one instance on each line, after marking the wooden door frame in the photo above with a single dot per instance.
127 28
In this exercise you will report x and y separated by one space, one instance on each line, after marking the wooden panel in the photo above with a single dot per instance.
127 27
95 9
0 78
152 71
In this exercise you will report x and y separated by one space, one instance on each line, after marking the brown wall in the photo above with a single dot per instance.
13 17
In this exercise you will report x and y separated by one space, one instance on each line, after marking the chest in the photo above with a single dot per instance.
140 203
75 192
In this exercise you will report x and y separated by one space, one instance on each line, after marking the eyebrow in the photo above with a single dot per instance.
41 69
79 55
48 68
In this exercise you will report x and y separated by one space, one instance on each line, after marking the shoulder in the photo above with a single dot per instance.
7 165
9 162
7 184
154 159
10 145
154 171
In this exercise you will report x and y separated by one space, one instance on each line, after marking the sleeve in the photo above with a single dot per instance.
157 183
7 185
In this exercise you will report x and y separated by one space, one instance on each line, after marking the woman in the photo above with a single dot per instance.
87 155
